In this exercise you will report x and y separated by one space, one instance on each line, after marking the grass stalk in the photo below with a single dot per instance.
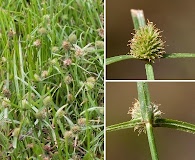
146 111
138 18
129 124
158 122
149 71
151 141
179 55
115 59
175 124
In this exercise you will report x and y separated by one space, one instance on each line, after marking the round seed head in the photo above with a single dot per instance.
99 44
81 121
37 77
55 49
68 134
72 38
67 62
6 102
68 79
47 101
70 97
11 33
44 74
101 32
147 43
66 45
75 129
41 114
6 92
42 30
37 43
90 83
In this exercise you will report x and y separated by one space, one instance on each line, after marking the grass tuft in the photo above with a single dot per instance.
51 71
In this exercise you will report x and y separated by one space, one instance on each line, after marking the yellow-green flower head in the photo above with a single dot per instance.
147 43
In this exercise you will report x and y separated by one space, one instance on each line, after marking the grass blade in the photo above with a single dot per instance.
117 59
124 125
175 124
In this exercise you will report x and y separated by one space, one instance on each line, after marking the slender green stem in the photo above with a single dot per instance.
129 124
146 111
117 59
158 122
144 99
170 55
149 71
138 18
151 141
179 55
175 124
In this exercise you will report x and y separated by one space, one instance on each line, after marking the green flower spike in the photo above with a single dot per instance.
147 43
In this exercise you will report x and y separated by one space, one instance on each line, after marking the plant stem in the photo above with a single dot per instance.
117 59
147 115
129 124
151 141
138 18
179 125
158 122
149 71
144 99
170 55
179 55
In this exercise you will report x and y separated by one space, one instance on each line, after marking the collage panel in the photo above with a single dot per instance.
51 79
171 105
132 52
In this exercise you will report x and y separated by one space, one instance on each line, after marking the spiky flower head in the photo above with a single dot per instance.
72 38
147 43
135 113
16 132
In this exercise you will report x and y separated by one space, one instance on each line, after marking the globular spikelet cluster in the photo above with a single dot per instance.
135 113
146 43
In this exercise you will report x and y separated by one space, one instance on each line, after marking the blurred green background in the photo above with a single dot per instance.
177 21
177 101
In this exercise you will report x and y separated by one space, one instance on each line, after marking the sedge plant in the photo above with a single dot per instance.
145 116
51 79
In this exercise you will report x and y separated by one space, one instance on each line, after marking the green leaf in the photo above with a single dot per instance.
175 124
117 59
125 125
170 55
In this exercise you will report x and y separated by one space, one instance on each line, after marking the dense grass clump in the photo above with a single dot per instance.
51 79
